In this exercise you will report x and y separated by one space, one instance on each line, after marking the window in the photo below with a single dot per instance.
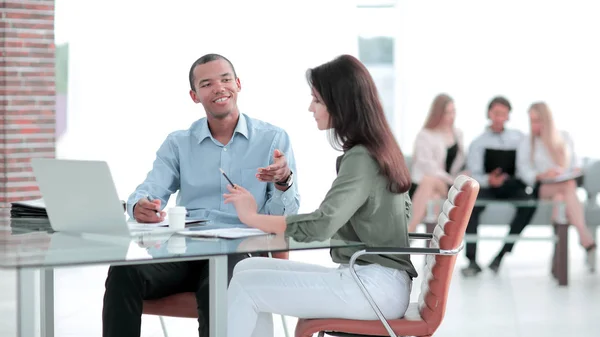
376 40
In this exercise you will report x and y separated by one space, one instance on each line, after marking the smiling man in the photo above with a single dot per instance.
254 154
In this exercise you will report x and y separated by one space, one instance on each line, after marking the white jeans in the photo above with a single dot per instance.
261 287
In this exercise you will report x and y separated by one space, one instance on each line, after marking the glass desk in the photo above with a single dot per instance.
34 253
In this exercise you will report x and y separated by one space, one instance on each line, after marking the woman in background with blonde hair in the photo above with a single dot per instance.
438 157
545 155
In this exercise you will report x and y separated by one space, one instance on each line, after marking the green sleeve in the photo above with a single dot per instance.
348 193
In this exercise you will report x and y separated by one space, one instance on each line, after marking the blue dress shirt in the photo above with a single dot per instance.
188 161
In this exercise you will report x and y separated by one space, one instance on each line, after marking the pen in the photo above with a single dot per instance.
152 199
226 177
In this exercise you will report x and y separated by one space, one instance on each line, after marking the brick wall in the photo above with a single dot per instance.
27 94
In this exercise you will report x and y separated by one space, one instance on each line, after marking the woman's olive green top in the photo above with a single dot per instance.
359 207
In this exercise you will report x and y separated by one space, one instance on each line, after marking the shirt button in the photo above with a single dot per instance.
225 149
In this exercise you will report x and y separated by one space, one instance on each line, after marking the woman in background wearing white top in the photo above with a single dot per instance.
543 156
438 158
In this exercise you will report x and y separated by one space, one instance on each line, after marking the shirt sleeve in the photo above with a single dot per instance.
575 160
163 180
280 202
349 192
475 162
525 168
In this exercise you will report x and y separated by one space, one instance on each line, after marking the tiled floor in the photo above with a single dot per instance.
521 301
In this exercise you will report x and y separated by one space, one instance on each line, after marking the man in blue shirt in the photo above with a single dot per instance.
254 154
492 162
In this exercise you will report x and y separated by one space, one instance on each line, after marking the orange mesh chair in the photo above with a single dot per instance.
422 318
184 305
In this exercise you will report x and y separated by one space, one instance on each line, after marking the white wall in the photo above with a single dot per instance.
128 85
473 50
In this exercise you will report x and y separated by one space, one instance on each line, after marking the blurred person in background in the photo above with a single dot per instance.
491 160
547 161
438 158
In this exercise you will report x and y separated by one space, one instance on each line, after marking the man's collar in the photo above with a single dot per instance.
489 129
204 131
242 126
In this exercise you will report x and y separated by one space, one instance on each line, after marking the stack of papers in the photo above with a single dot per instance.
225 233
28 209
33 209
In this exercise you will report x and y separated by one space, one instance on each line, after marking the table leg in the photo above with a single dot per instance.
218 296
47 302
27 280
562 254
562 246
35 302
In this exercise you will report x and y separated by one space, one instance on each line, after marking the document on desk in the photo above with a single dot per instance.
225 233
134 225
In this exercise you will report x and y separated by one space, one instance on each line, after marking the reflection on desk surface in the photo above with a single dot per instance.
23 244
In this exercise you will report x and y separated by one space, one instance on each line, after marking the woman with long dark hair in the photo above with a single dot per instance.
367 202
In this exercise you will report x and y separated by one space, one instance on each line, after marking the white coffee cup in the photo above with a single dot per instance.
176 217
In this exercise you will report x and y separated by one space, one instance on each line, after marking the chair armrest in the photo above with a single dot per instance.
426 236
407 250
388 251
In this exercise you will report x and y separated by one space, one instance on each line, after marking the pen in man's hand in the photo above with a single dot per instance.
151 200
226 177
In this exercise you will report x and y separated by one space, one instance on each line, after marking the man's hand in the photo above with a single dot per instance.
146 211
278 171
497 178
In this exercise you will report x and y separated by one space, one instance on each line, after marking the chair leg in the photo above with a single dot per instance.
164 326
285 328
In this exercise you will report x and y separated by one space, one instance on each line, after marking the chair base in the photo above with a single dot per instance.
164 326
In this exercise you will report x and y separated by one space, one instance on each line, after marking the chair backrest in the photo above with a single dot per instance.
448 235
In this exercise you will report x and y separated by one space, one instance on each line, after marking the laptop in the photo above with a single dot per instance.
80 197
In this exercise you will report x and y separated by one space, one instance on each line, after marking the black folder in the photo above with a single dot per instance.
503 159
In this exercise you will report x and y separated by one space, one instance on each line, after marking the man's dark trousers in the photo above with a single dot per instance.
512 189
128 286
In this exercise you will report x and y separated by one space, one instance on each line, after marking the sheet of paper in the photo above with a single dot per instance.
134 225
36 203
226 233
137 225
565 176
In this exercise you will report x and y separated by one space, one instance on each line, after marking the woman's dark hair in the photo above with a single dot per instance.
356 116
